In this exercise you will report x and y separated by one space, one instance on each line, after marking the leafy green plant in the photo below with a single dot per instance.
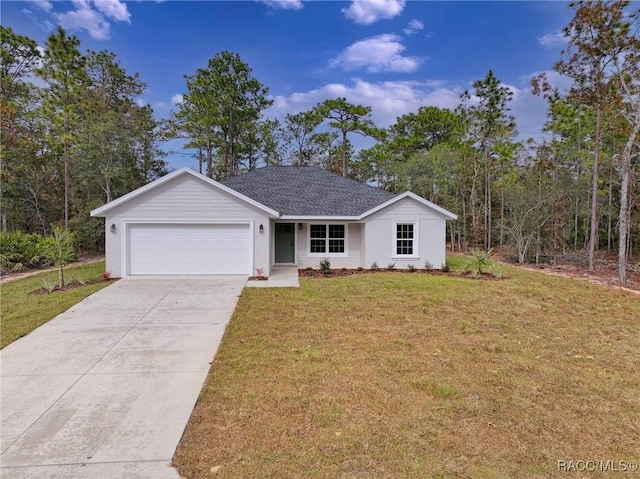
374 266
50 286
411 267
21 250
325 266
360 268
391 266
60 250
444 268
480 263
427 265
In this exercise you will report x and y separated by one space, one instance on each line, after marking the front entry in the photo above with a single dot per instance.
285 243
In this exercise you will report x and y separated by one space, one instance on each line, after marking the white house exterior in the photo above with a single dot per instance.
185 223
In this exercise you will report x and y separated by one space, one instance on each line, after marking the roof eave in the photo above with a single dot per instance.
319 218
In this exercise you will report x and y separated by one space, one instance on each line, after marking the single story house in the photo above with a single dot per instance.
186 223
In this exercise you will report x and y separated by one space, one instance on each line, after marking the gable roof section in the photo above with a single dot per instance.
303 191
408 194
104 209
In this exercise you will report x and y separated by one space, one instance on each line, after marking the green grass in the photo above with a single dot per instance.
392 375
22 312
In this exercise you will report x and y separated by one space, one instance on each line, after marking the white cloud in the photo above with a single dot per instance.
283 4
391 99
387 100
553 40
45 5
366 12
141 102
114 9
414 27
377 54
86 17
177 99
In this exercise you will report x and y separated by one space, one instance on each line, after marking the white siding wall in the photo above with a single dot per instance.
184 200
379 235
353 246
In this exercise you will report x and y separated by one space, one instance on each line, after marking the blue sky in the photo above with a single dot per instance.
391 55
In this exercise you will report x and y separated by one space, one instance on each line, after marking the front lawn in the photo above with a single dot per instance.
21 312
396 375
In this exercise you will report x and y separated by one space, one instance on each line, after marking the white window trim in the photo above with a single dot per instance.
416 242
327 254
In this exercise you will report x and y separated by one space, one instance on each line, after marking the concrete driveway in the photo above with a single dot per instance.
105 390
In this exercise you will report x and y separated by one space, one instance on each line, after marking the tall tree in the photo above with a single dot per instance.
262 144
63 70
424 129
625 51
490 123
18 57
347 118
305 144
107 135
587 62
222 104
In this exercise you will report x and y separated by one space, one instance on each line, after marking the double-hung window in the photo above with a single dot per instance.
327 239
405 244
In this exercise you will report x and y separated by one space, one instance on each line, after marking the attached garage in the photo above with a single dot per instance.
185 224
177 248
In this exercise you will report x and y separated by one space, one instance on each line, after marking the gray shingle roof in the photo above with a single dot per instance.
307 191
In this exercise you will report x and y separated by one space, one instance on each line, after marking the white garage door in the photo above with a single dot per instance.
189 249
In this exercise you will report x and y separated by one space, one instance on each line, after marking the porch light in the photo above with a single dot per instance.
261 229
113 227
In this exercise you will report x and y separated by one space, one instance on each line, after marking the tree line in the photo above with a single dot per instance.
72 135
83 141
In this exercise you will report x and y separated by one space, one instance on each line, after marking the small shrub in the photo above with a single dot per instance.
444 268
325 266
60 250
427 265
411 267
106 275
360 268
375 266
50 286
309 269
480 263
343 269
391 266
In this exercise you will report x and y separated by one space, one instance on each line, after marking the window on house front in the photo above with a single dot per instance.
405 237
326 238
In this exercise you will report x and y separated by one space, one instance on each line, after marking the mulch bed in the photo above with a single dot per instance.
71 285
258 278
316 273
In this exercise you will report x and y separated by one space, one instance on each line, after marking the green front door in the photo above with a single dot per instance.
285 243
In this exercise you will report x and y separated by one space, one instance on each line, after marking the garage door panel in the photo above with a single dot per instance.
189 249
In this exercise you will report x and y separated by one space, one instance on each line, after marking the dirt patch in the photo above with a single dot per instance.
574 265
